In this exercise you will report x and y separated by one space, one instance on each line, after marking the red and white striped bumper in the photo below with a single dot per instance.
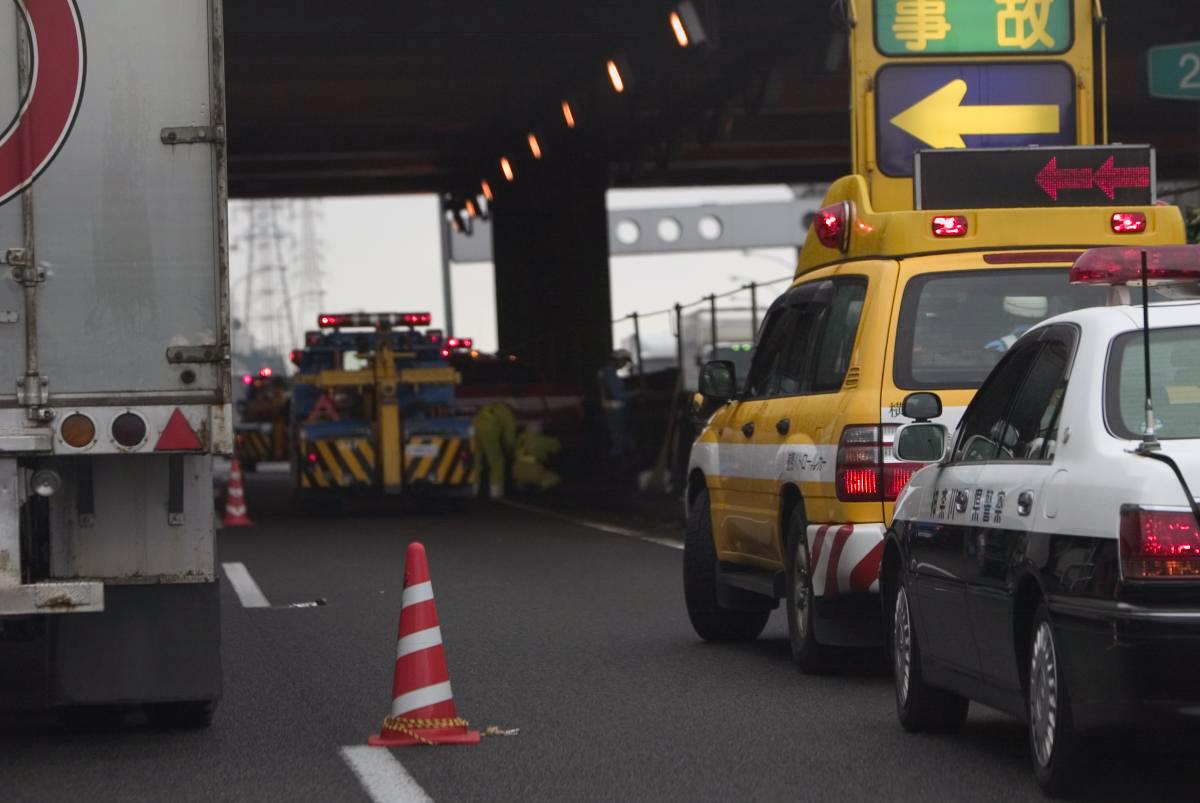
845 558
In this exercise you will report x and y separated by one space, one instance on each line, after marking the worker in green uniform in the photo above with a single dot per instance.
495 443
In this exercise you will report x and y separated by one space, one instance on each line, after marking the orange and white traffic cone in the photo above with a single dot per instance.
235 499
422 703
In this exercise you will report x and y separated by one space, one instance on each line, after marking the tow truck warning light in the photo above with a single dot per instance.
1001 178
376 319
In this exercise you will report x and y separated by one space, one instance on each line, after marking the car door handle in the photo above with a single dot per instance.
748 428
1024 503
783 425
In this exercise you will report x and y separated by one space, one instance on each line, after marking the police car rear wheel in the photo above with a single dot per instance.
1053 740
807 652
919 706
709 619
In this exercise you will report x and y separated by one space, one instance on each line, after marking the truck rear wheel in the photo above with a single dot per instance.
710 620
190 715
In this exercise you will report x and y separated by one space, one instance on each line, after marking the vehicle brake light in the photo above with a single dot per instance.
265 372
445 352
1128 222
128 429
1165 264
294 357
1159 544
949 226
247 380
866 470
832 225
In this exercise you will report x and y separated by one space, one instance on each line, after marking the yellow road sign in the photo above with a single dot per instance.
940 120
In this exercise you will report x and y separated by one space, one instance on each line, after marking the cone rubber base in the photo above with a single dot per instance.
437 736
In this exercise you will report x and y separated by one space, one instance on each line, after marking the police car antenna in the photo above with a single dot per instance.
1149 441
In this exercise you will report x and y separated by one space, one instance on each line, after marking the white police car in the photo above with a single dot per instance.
1048 565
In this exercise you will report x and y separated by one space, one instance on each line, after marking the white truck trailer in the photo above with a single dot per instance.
114 353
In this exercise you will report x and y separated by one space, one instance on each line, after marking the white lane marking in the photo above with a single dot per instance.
430 695
247 590
597 525
421 640
382 776
418 592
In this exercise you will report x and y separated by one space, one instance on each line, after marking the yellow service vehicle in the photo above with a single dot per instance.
792 481
372 411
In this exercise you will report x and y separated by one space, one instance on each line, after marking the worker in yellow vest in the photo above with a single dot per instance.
495 444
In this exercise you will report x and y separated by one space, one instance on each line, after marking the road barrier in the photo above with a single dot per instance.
423 709
235 499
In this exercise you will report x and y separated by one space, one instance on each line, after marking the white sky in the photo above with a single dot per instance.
383 254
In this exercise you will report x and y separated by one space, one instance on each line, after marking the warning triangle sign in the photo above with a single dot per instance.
323 407
178 436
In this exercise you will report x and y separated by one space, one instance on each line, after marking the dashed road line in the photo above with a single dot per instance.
248 592
382 776
596 525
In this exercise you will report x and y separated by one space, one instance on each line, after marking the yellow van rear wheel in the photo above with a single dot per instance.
710 620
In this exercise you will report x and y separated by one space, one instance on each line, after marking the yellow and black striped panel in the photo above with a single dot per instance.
438 460
252 447
338 463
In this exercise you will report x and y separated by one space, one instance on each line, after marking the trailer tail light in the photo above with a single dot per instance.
1165 264
1159 544
832 225
866 470
128 429
77 430
949 226
1128 222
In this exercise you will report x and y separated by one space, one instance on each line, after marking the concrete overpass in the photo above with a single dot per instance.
326 98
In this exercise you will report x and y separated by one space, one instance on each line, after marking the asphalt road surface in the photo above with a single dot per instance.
574 635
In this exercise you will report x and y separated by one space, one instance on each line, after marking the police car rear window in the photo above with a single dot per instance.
1174 384
955 326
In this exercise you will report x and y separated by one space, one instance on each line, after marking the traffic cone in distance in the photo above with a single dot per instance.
235 499
422 703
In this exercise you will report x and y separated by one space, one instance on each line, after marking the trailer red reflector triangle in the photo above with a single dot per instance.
178 436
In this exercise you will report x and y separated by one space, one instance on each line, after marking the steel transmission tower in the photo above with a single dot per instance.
311 295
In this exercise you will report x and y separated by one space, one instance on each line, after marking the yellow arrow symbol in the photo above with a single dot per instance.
940 120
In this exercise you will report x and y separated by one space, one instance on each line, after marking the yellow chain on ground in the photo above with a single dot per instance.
409 727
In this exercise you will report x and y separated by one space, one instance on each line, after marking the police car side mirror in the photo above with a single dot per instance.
921 443
718 381
922 406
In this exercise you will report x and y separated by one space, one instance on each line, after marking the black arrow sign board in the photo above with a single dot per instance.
1001 178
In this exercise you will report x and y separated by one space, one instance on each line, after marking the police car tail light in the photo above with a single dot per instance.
1159 544
832 225
1165 264
1127 222
949 226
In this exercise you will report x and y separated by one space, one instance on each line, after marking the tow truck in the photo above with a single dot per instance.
372 411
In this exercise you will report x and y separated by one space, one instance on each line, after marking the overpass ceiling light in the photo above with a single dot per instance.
686 25
487 190
615 76
507 169
568 114
535 147
472 210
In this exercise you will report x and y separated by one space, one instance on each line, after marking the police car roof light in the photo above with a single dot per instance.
1165 264
832 225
